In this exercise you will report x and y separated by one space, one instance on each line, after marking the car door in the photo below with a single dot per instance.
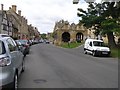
19 56
90 47
13 52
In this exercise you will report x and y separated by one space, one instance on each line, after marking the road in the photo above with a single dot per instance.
48 66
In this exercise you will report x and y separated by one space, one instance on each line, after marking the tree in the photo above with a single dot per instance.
104 17
43 36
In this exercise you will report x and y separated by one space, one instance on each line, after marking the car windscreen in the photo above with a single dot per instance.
2 48
18 42
23 41
98 43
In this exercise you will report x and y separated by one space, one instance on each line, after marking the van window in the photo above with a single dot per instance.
97 43
2 48
90 43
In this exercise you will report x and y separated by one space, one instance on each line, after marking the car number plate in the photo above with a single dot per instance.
104 52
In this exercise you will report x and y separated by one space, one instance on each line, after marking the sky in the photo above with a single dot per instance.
44 13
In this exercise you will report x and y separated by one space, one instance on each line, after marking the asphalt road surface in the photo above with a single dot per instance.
48 66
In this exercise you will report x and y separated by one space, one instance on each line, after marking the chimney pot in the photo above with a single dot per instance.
2 6
14 7
19 12
9 8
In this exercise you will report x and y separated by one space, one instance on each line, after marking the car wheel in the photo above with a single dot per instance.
28 52
23 66
93 53
24 55
15 83
85 52
108 55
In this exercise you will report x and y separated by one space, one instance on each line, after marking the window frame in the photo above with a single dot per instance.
10 41
90 43
3 47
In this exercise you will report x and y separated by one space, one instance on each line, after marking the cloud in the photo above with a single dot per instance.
44 13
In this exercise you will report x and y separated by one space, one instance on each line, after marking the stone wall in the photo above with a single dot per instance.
62 27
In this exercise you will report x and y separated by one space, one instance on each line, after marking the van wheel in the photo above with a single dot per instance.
85 52
93 53
15 86
108 55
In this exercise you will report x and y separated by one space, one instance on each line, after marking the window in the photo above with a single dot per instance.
90 43
4 27
96 43
11 45
14 42
2 48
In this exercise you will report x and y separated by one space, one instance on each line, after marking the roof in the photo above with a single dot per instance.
94 40
4 35
4 38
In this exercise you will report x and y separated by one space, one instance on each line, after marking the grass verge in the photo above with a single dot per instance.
115 52
70 45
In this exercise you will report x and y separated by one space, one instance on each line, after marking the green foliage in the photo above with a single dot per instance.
104 17
97 14
110 25
115 52
43 36
70 45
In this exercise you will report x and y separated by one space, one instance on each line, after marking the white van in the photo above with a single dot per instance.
96 47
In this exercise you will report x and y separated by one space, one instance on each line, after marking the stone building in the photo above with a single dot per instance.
31 31
65 32
5 22
24 31
20 26
49 36
36 33
15 25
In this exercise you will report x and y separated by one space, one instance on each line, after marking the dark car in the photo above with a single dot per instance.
26 46
30 42
21 48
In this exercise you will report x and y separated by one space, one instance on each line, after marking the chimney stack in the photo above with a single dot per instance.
9 8
19 12
14 7
2 6
26 20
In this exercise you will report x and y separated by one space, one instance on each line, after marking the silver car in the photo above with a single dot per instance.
11 63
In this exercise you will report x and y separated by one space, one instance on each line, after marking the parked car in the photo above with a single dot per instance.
11 63
30 42
41 41
26 46
36 41
96 47
47 41
20 46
